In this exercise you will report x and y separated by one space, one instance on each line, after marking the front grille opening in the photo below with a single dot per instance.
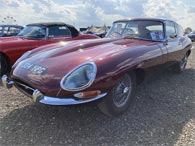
24 87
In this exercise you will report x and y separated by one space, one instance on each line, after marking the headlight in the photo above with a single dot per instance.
80 78
24 56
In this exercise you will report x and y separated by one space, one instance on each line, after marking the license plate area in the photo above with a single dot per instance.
33 68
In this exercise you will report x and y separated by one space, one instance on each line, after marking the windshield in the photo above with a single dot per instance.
139 29
33 32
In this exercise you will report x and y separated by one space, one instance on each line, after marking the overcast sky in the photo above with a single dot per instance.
83 13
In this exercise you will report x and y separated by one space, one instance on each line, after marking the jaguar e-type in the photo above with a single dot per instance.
103 70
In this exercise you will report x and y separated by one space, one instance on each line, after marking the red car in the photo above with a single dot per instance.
33 36
106 70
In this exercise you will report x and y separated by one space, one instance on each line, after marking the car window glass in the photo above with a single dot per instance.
33 32
156 30
155 27
131 28
6 29
170 29
13 30
180 31
116 30
119 27
57 31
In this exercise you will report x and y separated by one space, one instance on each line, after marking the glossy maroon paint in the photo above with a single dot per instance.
113 58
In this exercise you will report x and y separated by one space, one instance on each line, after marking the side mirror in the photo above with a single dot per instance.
172 36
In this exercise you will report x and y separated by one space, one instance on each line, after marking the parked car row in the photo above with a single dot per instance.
85 68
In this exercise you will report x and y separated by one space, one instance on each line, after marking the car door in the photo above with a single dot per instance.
174 42
155 52
59 33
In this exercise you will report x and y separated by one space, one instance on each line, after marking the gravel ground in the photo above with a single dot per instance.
162 115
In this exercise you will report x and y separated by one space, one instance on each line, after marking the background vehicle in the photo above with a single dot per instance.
100 34
33 36
99 31
10 30
192 36
107 70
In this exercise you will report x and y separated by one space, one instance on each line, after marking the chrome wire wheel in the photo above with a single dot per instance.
122 91
180 66
120 97
183 63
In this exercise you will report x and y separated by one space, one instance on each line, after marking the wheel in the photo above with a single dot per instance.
180 67
4 68
119 98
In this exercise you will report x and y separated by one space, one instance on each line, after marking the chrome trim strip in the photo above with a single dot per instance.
67 101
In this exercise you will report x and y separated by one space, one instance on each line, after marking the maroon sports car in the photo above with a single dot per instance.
106 70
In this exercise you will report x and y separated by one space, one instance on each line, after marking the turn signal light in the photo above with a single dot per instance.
87 94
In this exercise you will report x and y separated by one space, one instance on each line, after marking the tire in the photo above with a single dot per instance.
4 68
180 67
120 97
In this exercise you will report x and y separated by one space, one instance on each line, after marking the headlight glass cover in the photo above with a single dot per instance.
80 78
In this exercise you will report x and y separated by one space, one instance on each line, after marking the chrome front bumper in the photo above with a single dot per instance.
62 101
37 96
